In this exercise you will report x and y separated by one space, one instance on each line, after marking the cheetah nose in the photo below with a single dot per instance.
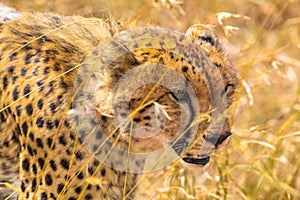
218 139
201 160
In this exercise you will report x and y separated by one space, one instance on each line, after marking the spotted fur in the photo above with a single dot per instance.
40 149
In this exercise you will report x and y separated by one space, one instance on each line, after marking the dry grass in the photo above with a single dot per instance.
263 160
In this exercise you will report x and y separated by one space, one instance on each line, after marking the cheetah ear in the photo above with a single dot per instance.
205 35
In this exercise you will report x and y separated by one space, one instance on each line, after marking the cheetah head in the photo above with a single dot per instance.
150 96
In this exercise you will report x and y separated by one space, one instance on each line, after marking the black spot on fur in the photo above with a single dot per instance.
29 109
49 125
31 136
23 71
26 90
34 169
11 69
62 140
78 190
24 128
35 71
103 172
80 175
56 123
39 142
23 187
46 70
64 163
25 164
79 155
40 122
40 104
53 165
14 79
48 179
30 151
18 109
60 188
44 196
15 93
27 58
33 185
5 82
63 85
41 162
46 60
52 106
40 84
49 142
13 56
88 197
184 68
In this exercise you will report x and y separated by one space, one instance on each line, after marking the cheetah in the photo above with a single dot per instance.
52 147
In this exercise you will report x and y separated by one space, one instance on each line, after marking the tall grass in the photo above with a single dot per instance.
263 38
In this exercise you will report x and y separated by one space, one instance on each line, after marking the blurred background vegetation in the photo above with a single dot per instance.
263 38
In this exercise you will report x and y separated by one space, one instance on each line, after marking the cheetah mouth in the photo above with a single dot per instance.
201 161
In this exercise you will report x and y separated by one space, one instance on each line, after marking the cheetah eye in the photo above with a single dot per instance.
207 39
228 88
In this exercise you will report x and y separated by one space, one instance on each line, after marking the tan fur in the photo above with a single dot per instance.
38 54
